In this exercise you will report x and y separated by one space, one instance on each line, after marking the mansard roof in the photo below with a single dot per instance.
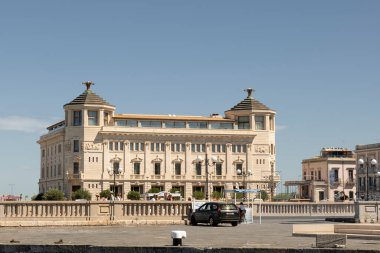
250 104
89 97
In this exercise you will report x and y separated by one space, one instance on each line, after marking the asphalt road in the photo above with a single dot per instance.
272 233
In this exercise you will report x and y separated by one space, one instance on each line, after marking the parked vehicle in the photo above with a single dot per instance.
214 213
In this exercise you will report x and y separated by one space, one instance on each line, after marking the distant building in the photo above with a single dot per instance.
328 177
368 172
96 149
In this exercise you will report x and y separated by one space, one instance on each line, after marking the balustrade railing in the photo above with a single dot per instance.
72 211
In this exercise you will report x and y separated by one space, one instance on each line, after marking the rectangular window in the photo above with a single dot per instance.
116 145
351 175
110 145
178 147
121 146
151 123
239 168
243 122
238 148
76 168
136 168
222 126
77 118
76 146
218 169
175 124
120 122
131 123
177 169
200 124
157 168
92 118
259 121
336 176
59 148
198 169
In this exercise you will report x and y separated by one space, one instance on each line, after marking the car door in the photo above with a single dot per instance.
202 213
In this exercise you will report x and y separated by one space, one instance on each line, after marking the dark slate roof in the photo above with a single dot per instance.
250 104
89 97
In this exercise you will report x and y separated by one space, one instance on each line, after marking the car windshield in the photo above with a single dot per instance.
228 207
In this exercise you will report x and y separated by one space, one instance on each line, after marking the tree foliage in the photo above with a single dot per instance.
216 195
53 194
198 195
264 195
81 194
105 194
132 195
154 190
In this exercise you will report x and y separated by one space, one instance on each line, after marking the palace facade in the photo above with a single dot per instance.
95 148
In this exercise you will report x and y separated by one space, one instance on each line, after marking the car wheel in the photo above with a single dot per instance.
193 221
234 224
212 222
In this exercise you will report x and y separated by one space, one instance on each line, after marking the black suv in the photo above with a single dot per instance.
214 213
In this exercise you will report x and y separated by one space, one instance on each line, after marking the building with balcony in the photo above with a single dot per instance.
95 148
368 172
331 176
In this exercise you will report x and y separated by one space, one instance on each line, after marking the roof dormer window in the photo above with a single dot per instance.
92 118
77 118
243 122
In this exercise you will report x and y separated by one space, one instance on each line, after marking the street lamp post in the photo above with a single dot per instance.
207 163
116 170
368 163
245 174
65 176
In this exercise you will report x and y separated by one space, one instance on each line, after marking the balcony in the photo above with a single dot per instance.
178 177
350 182
336 182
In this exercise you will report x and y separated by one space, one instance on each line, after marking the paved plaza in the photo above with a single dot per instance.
272 233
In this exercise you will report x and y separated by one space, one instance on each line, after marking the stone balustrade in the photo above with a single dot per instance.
304 209
40 213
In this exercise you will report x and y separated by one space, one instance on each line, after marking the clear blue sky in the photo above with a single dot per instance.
315 62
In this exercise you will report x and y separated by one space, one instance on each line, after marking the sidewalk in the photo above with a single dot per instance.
272 233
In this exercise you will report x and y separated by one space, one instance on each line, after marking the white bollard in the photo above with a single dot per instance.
177 236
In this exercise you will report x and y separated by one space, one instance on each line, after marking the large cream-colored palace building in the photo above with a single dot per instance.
95 148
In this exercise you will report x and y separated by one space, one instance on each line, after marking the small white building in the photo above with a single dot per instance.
327 177
368 172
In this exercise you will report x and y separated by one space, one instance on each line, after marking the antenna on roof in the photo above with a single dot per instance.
88 84
249 91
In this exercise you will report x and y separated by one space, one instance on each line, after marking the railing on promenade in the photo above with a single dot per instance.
304 209
91 212
107 212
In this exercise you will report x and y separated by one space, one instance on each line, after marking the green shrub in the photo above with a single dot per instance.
39 196
216 195
264 195
154 190
132 195
54 194
81 194
198 195
105 194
